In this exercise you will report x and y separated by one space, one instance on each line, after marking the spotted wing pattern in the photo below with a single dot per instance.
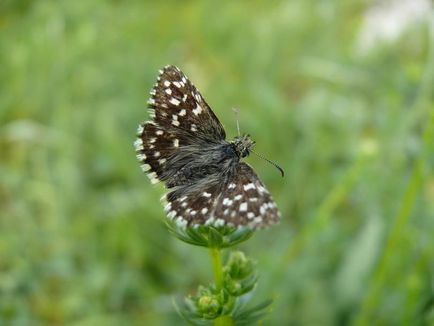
242 200
181 146
180 117
176 104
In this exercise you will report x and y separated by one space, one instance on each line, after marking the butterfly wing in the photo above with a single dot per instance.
241 200
180 118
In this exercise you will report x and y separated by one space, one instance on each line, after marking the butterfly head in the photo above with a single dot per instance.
243 145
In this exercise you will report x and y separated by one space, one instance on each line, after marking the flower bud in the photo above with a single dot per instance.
239 266
208 306
207 303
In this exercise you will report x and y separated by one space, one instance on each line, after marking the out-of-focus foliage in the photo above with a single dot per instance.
345 108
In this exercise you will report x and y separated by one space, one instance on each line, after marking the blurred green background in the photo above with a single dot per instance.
340 93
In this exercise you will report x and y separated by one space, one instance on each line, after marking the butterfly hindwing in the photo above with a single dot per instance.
245 200
241 200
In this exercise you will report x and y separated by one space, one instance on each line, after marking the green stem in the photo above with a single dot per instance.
218 278
223 321
217 267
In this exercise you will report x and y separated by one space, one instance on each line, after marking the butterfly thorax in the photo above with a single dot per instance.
243 145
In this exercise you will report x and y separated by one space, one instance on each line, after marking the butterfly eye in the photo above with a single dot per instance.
245 153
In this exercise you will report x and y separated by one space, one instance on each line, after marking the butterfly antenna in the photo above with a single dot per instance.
236 111
271 162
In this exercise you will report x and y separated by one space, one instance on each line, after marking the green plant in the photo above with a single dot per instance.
224 301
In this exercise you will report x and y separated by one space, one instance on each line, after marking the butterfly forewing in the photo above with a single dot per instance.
177 104
180 117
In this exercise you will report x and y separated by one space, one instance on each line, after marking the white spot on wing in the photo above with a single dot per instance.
166 83
261 189
153 177
151 112
182 112
219 222
243 207
257 220
249 186
181 223
204 210
141 157
232 185
206 194
168 91
176 143
175 120
138 144
145 167
238 197
227 202
174 101
159 132
197 110
156 154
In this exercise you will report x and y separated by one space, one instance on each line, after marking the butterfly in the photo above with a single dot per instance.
184 145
